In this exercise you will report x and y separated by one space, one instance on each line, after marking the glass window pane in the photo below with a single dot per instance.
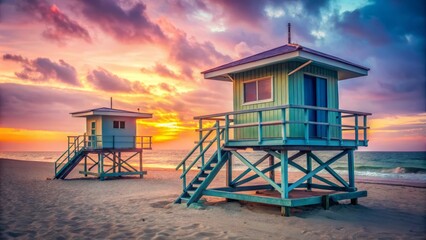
122 124
250 92
115 124
93 124
265 91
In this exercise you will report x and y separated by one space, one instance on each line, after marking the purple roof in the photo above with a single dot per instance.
288 48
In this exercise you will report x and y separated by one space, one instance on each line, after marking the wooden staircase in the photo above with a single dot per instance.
70 158
194 190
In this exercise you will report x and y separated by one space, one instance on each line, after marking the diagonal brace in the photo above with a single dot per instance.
302 169
257 171
120 163
248 170
330 170
270 168
318 169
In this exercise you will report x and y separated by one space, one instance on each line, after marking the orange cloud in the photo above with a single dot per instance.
399 132
15 139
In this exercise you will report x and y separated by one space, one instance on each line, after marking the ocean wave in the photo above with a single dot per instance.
416 170
378 169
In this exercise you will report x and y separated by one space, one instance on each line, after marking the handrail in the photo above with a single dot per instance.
201 154
193 150
79 143
331 129
73 148
278 108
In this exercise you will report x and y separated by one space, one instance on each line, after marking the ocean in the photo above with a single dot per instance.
385 165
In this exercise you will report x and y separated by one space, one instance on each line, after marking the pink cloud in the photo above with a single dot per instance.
59 27
44 70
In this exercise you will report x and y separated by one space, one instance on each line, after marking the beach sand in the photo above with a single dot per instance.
132 208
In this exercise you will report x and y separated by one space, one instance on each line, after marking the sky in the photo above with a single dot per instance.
61 56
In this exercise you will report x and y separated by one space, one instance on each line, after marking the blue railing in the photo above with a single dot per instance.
76 144
296 122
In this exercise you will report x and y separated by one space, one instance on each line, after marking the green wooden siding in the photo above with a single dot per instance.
286 90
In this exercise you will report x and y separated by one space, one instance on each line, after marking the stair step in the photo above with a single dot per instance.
184 199
197 182
203 175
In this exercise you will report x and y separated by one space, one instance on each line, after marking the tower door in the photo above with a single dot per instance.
315 94
92 137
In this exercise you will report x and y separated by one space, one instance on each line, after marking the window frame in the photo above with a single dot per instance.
271 99
122 124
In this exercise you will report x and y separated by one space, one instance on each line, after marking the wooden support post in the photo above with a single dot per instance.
308 170
140 163
184 177
85 166
328 127
285 211
326 202
340 129
114 162
284 126
356 130
219 151
119 162
101 166
272 172
351 170
354 201
229 174
365 130
226 129
68 159
200 126
259 127
306 114
229 171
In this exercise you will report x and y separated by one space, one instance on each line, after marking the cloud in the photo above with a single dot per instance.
16 58
189 54
377 25
243 50
40 107
167 87
161 70
129 25
59 26
44 70
104 80
396 84
252 15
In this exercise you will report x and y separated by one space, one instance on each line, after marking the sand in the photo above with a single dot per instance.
35 208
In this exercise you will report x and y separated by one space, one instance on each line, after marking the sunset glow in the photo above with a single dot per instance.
65 56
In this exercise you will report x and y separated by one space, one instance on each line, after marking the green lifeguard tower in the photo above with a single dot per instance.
108 147
286 106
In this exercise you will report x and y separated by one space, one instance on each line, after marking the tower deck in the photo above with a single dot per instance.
275 138
121 156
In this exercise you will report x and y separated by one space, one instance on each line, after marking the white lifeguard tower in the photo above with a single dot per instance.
109 133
